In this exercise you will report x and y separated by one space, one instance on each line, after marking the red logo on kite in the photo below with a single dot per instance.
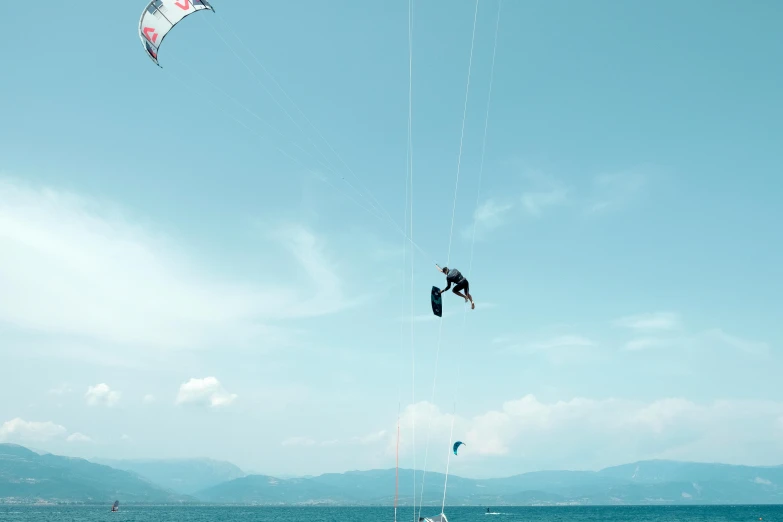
184 7
148 30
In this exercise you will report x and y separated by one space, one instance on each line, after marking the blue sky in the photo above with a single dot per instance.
174 286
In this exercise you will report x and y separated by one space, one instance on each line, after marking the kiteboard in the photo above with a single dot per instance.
437 305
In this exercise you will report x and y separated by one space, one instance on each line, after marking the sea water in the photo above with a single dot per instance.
130 513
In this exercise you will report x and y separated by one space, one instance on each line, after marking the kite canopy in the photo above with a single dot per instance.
160 16
457 445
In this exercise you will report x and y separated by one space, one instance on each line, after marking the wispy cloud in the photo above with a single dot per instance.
206 391
370 438
75 266
745 345
61 390
363 440
536 202
307 442
666 330
614 191
430 317
543 191
300 441
645 343
650 321
556 348
327 294
561 341
544 344
487 217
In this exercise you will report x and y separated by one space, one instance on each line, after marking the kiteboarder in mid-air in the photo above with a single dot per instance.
454 276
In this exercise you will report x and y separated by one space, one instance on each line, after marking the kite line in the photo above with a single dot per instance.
448 258
472 245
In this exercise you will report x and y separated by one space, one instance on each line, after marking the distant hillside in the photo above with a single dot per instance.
184 476
26 476
262 489
648 482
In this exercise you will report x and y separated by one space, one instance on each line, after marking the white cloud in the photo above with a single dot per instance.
311 253
665 321
78 437
126 438
148 399
561 341
662 414
206 391
430 317
299 441
487 216
102 395
613 191
650 321
364 440
545 192
419 420
61 390
592 433
644 343
21 430
557 348
745 345
535 202
370 438
308 442
70 265
25 432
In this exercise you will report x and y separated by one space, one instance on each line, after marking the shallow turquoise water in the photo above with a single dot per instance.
457 514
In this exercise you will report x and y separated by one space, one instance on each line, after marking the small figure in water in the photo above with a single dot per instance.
454 276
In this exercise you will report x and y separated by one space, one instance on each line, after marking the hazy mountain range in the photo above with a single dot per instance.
185 476
27 476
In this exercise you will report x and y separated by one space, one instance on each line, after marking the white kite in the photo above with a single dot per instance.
160 16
